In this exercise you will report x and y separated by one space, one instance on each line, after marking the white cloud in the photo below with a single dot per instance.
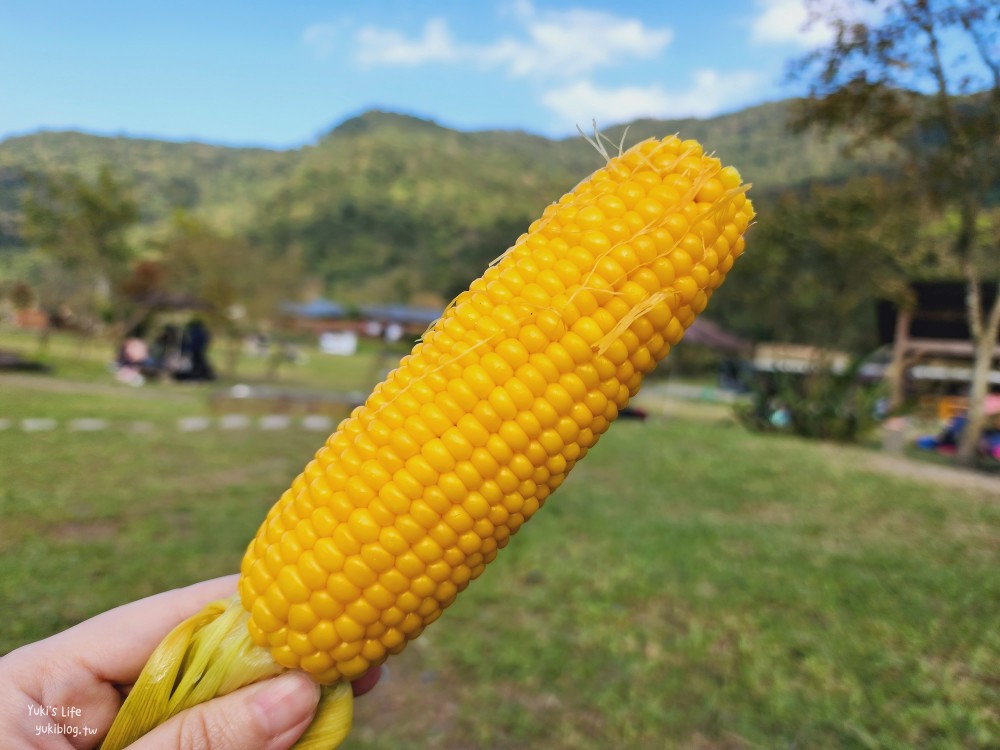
321 39
574 41
787 22
582 101
389 47
523 9
554 43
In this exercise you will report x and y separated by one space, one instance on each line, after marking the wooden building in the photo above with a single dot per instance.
931 345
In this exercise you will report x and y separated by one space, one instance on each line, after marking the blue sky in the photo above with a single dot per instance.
272 73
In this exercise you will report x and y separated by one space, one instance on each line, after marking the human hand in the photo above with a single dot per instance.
64 692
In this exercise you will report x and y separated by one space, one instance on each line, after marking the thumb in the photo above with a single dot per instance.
270 715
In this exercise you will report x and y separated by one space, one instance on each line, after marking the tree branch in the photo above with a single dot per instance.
982 47
993 323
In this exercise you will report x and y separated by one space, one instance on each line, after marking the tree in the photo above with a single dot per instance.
84 227
241 285
823 255
924 75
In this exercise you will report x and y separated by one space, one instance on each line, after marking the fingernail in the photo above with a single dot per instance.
284 701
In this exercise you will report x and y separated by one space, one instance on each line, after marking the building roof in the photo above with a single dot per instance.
317 309
324 309
706 333
403 314
939 314
702 332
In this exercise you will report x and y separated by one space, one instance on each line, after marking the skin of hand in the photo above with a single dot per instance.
63 692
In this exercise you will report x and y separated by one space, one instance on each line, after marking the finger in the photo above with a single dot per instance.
114 645
367 681
270 715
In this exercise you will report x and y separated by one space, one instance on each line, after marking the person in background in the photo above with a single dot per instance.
134 361
166 350
194 347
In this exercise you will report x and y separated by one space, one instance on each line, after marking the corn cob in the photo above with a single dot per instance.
417 491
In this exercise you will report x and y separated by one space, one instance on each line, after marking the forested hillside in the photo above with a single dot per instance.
217 182
383 188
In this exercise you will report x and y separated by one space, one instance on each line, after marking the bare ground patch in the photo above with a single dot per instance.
407 695
948 476
78 387
92 530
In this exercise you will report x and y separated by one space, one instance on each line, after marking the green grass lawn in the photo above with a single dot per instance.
692 585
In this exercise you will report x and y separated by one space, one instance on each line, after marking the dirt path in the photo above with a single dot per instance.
81 387
927 472
659 404
866 459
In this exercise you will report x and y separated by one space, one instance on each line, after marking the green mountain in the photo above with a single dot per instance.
217 182
386 205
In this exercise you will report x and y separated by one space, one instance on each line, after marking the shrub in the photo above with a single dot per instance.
820 404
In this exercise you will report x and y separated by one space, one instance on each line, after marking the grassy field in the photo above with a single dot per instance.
691 586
